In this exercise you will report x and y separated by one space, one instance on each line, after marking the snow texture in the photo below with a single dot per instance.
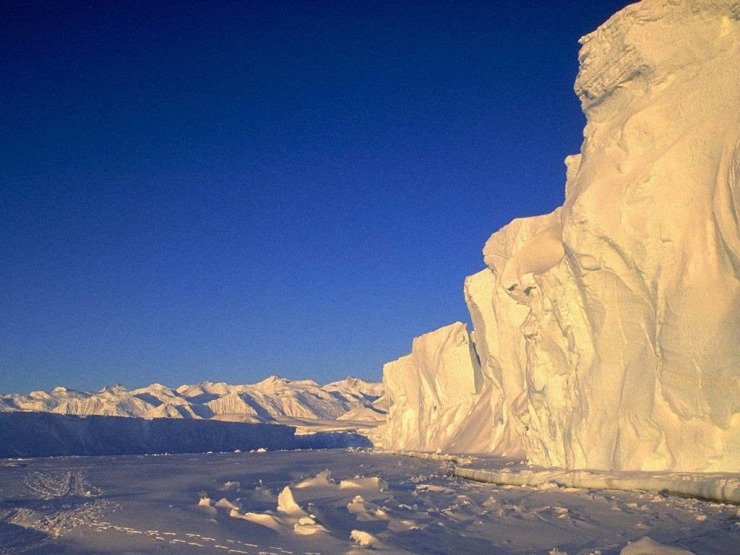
607 333
287 502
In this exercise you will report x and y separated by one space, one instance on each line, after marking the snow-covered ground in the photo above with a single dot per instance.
331 501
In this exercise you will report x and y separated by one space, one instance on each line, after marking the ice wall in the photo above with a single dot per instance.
40 434
431 389
608 332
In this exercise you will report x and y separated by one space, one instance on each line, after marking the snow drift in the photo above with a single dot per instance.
607 333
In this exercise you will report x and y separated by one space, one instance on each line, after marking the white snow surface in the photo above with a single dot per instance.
295 502
274 399
607 333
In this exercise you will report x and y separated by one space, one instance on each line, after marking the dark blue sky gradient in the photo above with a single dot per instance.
226 190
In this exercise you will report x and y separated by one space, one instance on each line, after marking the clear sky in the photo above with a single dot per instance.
221 191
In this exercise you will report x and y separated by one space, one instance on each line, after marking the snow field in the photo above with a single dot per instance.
332 501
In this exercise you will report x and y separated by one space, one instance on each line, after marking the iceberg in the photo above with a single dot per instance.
607 333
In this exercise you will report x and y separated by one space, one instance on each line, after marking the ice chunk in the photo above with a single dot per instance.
365 539
646 546
287 505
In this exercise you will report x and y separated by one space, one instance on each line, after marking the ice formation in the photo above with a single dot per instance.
446 374
607 333
39 434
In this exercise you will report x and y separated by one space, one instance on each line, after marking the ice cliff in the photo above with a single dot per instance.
38 434
607 333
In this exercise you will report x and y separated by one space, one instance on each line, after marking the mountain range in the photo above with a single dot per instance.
275 399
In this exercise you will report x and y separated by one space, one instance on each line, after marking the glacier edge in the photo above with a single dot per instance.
607 333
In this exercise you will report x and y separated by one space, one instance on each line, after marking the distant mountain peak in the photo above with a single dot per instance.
273 399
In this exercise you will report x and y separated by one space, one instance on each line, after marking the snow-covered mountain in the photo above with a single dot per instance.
275 399
607 333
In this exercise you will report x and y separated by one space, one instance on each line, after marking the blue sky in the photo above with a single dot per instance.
227 190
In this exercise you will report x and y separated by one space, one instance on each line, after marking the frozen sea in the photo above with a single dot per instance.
330 501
